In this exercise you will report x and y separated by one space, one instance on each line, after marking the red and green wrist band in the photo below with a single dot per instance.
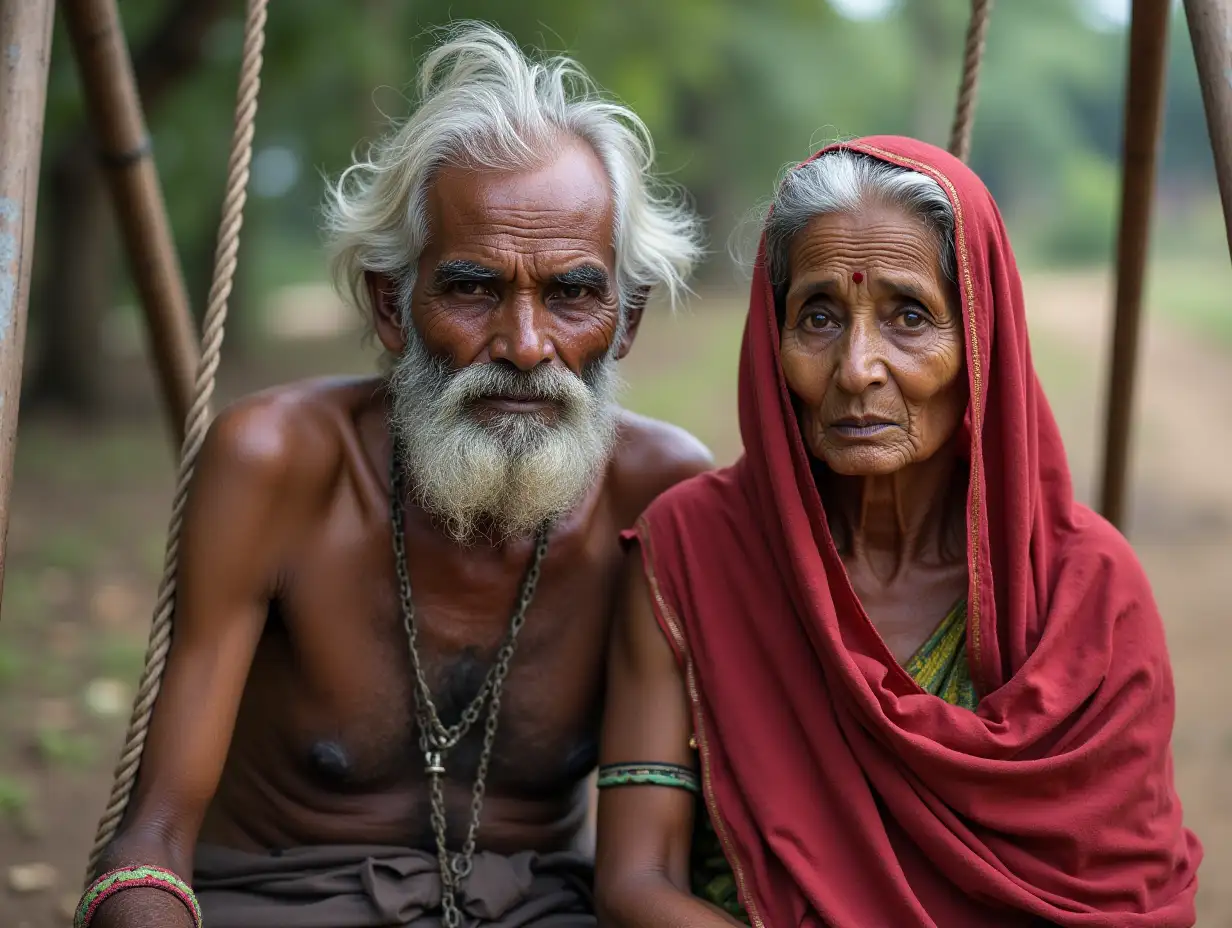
116 881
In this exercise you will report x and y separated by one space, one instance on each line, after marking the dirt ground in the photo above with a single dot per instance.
85 551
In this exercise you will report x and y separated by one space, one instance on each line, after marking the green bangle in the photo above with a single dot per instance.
116 881
648 774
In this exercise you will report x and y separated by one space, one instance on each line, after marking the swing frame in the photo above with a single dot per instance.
187 367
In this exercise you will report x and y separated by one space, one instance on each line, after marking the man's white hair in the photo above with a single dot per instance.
484 104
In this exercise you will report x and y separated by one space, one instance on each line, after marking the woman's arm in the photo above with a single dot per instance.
645 831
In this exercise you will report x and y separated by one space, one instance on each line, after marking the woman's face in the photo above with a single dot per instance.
872 342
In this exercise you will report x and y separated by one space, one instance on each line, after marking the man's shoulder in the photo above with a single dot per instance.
291 436
651 456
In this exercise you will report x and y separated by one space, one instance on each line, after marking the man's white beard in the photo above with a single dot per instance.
505 476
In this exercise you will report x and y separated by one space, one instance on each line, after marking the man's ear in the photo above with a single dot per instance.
386 311
633 309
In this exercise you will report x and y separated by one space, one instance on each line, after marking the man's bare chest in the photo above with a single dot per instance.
338 641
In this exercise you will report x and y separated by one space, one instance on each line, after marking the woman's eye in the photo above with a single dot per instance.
912 319
817 321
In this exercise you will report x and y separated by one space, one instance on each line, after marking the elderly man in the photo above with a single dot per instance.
382 700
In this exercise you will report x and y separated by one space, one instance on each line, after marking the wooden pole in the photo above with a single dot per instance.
1210 30
25 51
115 111
1144 105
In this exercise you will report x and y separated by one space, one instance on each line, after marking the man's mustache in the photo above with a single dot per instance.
495 380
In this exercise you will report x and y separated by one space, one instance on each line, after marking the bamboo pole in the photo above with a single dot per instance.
1210 30
1144 105
25 51
115 111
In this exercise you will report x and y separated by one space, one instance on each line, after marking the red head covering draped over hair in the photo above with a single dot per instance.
843 793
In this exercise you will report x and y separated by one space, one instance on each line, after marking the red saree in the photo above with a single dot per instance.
844 794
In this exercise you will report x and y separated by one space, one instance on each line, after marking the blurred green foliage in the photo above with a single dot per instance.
732 90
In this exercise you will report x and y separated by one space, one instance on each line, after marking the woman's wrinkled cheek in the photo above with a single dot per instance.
805 374
812 431
806 383
936 400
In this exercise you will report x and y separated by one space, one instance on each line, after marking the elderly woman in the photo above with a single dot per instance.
914 682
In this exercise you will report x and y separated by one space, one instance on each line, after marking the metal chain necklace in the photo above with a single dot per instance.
435 738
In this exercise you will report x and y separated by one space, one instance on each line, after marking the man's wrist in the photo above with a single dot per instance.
160 890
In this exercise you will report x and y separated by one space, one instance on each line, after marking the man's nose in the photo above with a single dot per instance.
520 333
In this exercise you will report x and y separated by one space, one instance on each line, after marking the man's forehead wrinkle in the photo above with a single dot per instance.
529 207
528 215
564 229
533 210
560 193
527 202
499 253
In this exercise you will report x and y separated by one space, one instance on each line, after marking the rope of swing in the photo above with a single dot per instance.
197 422
973 57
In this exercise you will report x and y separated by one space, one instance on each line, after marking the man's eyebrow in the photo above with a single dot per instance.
584 275
452 272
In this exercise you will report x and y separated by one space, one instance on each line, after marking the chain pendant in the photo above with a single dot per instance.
435 765
435 739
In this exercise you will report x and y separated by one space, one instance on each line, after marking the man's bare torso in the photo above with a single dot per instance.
325 749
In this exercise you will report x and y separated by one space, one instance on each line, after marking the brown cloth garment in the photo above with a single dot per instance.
377 887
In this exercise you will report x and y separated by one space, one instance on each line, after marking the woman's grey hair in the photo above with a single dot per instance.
843 181
483 104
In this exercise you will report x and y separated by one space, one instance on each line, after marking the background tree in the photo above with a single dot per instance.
732 91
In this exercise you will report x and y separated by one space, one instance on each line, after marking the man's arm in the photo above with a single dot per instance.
645 832
236 529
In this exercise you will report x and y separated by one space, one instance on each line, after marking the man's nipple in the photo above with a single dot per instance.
329 758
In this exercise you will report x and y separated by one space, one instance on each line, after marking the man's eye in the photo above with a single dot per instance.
572 291
467 287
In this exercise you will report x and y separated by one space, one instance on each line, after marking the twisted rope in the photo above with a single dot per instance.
197 423
964 112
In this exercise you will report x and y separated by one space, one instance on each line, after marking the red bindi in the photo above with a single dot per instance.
857 277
